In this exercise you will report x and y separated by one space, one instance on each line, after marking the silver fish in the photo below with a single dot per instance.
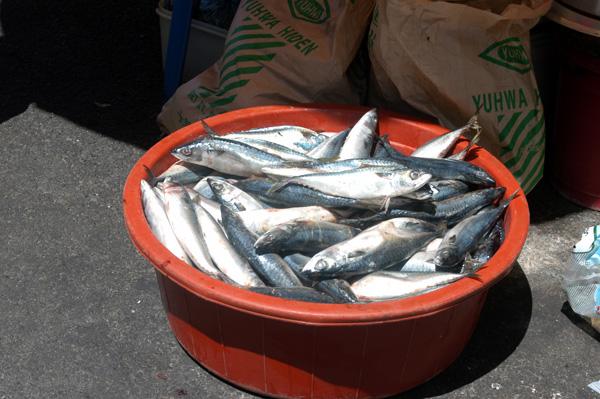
441 145
442 168
226 156
277 149
294 195
222 252
467 234
462 154
233 197
304 294
156 216
386 285
182 216
295 137
363 183
374 249
261 220
183 172
270 267
303 235
331 147
360 139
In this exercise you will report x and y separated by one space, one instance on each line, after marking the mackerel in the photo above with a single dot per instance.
467 234
182 217
360 139
374 249
294 137
331 147
386 285
270 267
294 195
261 220
303 235
363 183
233 197
156 216
442 168
441 145
222 252
226 156
304 294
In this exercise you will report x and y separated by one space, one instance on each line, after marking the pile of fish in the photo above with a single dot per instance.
331 217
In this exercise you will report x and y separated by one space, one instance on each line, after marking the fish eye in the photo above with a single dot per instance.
320 265
186 151
414 175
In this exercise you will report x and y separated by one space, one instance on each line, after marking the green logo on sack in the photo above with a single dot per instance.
314 11
508 53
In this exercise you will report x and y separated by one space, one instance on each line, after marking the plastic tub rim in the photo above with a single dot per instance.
374 312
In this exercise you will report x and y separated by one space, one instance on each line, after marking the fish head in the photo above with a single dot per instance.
274 238
482 177
189 152
409 180
319 266
447 256
216 185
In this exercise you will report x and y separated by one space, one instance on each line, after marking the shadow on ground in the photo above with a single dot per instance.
84 61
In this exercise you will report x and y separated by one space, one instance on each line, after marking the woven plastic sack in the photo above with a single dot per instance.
279 52
444 60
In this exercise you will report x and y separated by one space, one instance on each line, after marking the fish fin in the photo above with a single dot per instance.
209 130
385 204
471 265
151 178
278 185
504 203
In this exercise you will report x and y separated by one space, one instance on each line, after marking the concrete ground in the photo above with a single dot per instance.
80 310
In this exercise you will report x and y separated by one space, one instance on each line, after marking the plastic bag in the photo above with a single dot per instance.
444 60
581 280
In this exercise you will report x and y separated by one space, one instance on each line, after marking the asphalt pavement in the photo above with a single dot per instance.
81 313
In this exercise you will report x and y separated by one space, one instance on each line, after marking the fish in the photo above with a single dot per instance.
335 287
271 268
363 183
462 154
446 189
261 220
439 146
442 168
295 137
156 216
182 217
360 138
303 235
330 148
277 149
223 254
183 172
226 156
386 285
304 294
467 234
450 211
373 249
233 197
293 195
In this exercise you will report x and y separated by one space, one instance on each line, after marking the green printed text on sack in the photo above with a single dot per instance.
505 100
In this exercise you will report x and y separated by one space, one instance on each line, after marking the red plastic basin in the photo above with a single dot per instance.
290 349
